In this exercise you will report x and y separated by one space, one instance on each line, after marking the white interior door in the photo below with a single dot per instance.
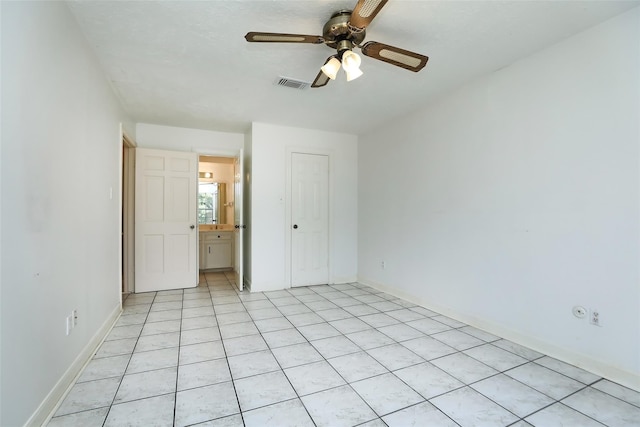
309 219
238 173
165 220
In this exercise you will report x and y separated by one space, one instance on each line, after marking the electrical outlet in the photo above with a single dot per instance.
74 314
594 317
382 265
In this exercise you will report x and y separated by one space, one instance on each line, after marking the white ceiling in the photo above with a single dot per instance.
187 64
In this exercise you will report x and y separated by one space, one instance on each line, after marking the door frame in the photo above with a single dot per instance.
127 198
289 200
239 225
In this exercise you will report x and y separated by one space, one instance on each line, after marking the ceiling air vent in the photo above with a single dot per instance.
292 83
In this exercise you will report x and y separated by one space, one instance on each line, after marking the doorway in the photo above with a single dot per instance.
309 219
228 212
220 227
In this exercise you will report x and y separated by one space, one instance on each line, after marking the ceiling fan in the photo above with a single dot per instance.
344 31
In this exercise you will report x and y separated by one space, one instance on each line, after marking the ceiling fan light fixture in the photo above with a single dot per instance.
331 68
351 64
354 74
350 60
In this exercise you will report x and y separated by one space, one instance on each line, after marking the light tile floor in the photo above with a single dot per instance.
340 355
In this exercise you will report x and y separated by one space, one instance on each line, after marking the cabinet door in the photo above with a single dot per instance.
218 254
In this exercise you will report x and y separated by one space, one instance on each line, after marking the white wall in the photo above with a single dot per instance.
517 197
185 139
270 158
61 152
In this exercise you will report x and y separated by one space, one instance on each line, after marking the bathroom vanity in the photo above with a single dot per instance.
216 249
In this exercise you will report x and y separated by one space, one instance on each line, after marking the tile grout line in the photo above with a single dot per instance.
233 384
128 363
175 394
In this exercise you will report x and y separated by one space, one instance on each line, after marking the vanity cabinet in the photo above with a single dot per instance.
216 249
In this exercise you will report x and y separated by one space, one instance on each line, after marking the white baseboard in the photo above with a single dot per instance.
54 399
280 286
268 287
597 367
337 280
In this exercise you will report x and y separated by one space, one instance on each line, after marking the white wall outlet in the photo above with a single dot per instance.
74 315
383 265
579 311
594 317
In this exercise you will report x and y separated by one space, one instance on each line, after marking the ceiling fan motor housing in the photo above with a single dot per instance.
337 29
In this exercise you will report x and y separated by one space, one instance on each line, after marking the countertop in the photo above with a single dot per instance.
215 227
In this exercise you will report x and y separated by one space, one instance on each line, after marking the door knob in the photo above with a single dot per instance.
236 226
192 226
295 226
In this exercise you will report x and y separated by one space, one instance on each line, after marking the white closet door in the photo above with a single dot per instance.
310 219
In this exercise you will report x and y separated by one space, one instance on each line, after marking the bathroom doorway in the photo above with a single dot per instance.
219 228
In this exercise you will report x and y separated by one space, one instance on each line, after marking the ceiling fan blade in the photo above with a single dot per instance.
321 79
282 38
365 11
395 56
